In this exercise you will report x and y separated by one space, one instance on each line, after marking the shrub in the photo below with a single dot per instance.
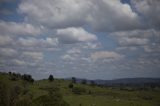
54 98
70 85
46 100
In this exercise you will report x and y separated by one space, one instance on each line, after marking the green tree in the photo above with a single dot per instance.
27 78
50 78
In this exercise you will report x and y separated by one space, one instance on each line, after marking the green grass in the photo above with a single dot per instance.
114 97
98 96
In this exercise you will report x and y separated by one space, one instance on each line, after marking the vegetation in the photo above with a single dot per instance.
70 85
19 90
50 78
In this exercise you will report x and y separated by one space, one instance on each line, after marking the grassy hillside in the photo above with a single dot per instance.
16 91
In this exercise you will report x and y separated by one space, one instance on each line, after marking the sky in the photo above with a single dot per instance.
93 39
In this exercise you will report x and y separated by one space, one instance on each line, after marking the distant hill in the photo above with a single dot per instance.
122 81
129 81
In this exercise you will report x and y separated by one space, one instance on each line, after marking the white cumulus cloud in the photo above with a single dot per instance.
73 35
14 28
106 55
101 15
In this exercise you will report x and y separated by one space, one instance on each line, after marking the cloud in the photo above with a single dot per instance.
38 42
154 48
19 62
5 40
91 45
125 48
7 52
67 57
33 55
110 55
133 41
101 15
55 13
113 16
146 33
14 28
149 9
74 51
7 1
136 37
65 37
73 54
74 35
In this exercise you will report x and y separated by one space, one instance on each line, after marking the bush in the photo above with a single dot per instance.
54 98
70 85
46 100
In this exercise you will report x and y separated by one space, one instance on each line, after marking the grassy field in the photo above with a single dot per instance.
89 95
111 97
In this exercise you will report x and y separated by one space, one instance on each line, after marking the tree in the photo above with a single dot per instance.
28 78
51 78
9 73
73 80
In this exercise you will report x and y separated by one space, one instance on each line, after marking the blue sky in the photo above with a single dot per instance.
94 39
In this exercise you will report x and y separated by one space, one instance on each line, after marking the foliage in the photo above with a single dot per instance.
54 98
70 85
28 78
50 78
